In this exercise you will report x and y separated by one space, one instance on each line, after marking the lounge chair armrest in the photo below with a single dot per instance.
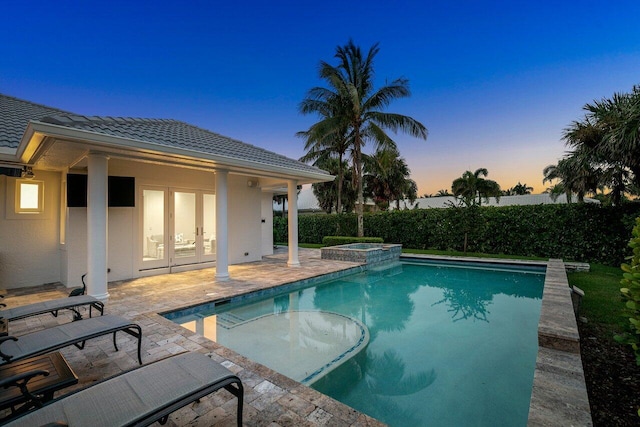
21 381
14 380
6 357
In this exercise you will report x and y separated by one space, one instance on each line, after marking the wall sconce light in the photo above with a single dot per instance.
252 183
27 173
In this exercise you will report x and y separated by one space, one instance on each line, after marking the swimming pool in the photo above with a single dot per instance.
409 344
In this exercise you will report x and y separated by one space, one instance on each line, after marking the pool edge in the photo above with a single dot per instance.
559 395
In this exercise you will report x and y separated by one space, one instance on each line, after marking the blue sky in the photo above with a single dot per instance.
495 82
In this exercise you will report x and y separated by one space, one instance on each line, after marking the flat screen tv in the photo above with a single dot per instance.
121 192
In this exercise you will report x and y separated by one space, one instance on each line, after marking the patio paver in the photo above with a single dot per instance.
271 399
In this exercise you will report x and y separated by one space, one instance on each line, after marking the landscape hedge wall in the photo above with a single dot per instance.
578 232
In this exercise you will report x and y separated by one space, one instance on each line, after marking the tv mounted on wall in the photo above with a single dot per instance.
121 191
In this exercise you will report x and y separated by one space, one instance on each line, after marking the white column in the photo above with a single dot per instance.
222 248
292 201
97 231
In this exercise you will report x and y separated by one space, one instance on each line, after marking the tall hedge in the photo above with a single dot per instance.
580 232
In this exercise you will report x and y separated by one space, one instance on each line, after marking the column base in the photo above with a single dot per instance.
222 277
293 263
102 297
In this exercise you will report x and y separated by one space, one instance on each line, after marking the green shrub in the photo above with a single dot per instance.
578 232
280 229
631 293
345 240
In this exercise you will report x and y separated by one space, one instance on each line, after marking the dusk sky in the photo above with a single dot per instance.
495 82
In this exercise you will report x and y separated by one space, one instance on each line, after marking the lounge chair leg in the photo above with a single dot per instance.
238 392
76 315
81 345
115 345
55 313
136 331
139 345
163 420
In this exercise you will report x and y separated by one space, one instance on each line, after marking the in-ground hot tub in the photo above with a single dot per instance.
366 253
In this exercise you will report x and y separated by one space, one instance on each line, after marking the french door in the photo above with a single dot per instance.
178 227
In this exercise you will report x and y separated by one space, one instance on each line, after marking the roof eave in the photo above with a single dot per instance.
36 133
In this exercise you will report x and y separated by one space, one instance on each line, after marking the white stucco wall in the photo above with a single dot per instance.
30 244
120 257
31 253
267 223
245 235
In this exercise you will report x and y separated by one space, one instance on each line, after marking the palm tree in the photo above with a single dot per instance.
331 197
615 123
606 140
576 175
328 138
556 191
443 193
355 107
387 178
520 189
471 185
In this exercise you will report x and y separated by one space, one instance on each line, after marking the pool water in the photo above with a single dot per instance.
445 345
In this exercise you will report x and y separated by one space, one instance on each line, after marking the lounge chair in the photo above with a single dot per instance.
76 333
53 306
141 396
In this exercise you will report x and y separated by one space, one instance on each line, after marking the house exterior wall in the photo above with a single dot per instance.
30 243
31 251
245 205
267 224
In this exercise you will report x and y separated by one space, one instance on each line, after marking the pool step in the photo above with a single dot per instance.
229 320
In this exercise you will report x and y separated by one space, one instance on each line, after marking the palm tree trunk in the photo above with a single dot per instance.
340 178
339 201
360 204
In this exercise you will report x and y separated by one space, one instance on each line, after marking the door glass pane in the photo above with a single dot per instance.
153 225
209 223
185 225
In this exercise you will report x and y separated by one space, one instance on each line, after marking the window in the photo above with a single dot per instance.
29 196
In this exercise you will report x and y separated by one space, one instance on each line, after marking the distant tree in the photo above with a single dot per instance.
387 179
576 175
471 187
280 199
329 194
443 193
359 109
520 189
606 149
610 131
556 191
327 141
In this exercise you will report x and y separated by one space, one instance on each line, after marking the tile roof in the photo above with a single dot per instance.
15 113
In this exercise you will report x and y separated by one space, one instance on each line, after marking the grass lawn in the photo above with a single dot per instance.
602 303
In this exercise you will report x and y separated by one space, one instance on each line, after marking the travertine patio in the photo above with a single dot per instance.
271 399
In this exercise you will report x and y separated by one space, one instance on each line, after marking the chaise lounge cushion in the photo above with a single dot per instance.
54 338
139 397
51 306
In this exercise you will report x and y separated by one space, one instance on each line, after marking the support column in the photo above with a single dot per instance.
222 248
97 226
292 197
